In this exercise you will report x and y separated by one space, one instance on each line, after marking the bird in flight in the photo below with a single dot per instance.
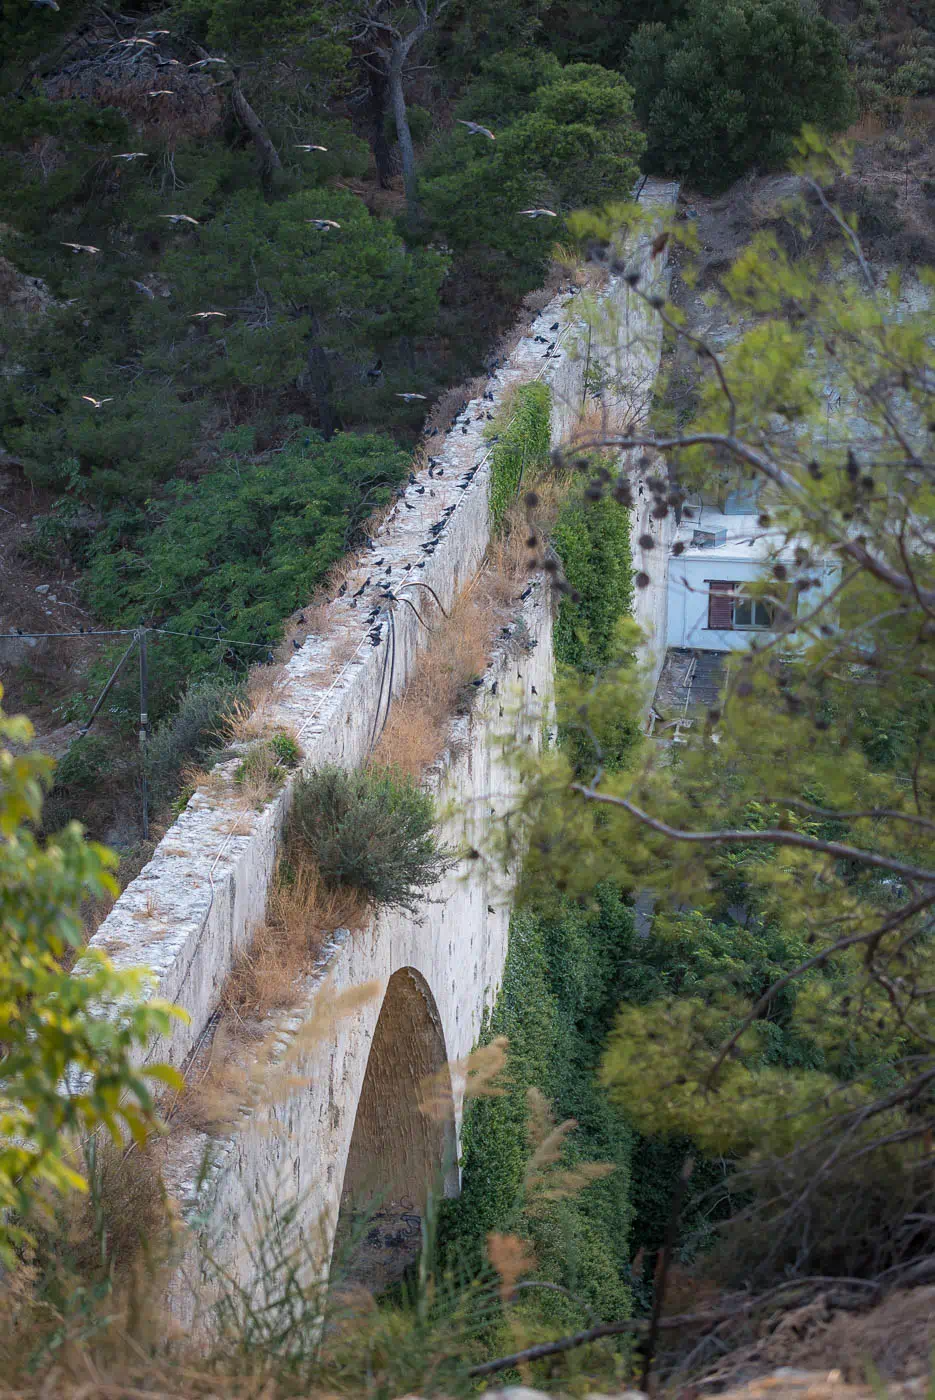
168 63
539 213
311 148
179 218
410 397
323 225
142 287
156 33
128 155
45 4
96 402
203 62
475 129
82 247
137 40
162 92
203 315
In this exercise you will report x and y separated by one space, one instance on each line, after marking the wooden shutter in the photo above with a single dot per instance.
720 604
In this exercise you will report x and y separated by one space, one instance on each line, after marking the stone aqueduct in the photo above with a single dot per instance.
406 998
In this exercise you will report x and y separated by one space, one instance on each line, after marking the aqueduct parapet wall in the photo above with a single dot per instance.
194 906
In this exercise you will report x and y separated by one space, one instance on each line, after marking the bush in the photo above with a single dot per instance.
728 86
371 832
190 736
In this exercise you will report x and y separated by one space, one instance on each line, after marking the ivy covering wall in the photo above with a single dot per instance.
560 993
522 435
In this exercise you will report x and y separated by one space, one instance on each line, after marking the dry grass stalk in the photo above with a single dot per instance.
419 719
301 916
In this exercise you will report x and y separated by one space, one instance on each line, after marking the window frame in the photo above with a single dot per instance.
733 590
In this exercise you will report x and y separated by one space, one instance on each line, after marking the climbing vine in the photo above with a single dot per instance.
522 435
559 996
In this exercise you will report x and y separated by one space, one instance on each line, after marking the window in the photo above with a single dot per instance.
730 607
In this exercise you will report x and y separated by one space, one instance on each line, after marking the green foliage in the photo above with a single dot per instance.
523 433
192 734
728 86
576 143
593 542
239 549
371 832
591 648
70 1043
286 749
559 991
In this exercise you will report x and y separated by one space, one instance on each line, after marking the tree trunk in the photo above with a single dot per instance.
321 385
404 135
269 156
382 155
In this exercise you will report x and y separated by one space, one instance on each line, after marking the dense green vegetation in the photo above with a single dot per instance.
729 85
560 991
521 434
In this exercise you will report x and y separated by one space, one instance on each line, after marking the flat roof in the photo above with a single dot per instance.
745 540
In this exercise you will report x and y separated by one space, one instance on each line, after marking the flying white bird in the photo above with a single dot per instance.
82 247
156 33
539 213
311 148
162 92
203 62
168 63
203 315
410 397
137 40
475 129
179 218
142 287
96 402
323 225
128 155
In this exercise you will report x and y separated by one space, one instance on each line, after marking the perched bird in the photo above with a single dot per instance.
323 225
311 148
410 397
539 213
478 682
420 490
81 247
408 506
96 402
554 326
406 568
433 433
296 643
343 589
490 909
378 563
375 370
525 593
421 566
365 584
534 690
301 618
179 218
389 568
493 688
142 287
475 129
162 92
203 315
129 155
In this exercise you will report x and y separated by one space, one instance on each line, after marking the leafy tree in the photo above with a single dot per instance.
575 143
809 788
68 1043
728 86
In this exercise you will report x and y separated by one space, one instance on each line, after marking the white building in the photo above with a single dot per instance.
709 604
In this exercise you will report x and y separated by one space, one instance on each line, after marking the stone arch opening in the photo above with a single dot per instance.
398 1153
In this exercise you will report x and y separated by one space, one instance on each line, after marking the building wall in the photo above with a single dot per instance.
687 603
